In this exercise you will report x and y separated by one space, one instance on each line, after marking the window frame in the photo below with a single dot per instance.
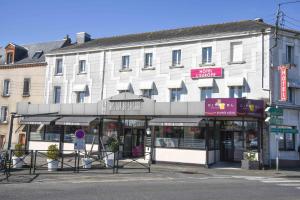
55 96
285 142
59 63
178 93
176 57
125 61
232 44
208 54
6 88
290 56
2 118
79 98
148 93
235 90
26 93
9 58
148 60
203 91
291 94
82 67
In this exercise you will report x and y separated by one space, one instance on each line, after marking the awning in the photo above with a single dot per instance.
293 83
236 81
79 88
205 83
146 85
38 120
123 86
75 121
175 121
174 84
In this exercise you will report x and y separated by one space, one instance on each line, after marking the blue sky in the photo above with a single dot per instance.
30 21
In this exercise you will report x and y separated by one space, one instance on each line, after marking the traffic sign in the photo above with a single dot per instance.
272 120
274 111
284 130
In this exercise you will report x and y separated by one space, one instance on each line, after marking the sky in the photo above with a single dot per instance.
32 21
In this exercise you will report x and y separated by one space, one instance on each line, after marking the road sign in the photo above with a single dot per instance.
284 130
79 142
274 111
272 120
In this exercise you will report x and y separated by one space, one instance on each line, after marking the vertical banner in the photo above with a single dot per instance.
283 71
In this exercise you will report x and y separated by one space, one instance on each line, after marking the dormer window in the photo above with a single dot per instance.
37 55
9 58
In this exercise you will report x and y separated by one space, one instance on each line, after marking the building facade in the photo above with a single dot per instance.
228 65
22 77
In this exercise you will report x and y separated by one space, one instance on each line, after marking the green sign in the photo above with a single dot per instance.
274 120
284 130
274 111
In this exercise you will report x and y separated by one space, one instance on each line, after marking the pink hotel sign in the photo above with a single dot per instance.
215 72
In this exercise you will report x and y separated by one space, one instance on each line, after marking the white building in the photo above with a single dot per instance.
230 60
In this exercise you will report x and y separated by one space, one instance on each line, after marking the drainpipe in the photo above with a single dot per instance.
103 74
262 58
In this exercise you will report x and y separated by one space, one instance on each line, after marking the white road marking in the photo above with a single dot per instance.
281 181
290 185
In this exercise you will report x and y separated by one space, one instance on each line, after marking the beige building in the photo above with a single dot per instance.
22 79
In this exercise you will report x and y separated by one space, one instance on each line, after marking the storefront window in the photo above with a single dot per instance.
52 133
37 132
287 143
251 129
180 137
91 134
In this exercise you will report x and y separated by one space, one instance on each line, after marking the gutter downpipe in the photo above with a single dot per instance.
103 74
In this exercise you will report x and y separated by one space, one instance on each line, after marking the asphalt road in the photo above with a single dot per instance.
162 186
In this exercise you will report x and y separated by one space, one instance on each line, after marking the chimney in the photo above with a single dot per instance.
82 37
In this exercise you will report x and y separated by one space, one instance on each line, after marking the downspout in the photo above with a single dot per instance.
103 74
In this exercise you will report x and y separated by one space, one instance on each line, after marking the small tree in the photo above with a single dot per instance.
113 144
53 152
19 150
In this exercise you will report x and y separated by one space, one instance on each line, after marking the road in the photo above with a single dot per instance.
162 186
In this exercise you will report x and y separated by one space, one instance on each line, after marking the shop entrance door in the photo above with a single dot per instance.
227 146
133 142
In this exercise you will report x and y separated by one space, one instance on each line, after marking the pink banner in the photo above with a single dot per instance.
216 72
283 83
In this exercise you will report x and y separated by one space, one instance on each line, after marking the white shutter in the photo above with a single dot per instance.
237 51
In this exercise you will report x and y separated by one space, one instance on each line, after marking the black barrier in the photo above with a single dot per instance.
19 160
3 164
134 162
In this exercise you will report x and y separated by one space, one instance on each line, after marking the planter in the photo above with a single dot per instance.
87 163
109 159
52 165
17 162
250 165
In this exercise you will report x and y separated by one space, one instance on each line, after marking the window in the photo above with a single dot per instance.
236 92
125 62
176 57
37 55
289 54
123 91
287 143
206 55
57 91
58 67
9 58
4 114
175 94
236 52
148 60
180 137
26 87
82 66
206 92
291 95
80 97
147 93
6 86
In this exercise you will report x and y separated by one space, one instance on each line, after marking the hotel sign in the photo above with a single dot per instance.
283 71
215 72
233 107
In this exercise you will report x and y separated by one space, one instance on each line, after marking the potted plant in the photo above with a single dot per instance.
17 158
250 160
52 157
113 147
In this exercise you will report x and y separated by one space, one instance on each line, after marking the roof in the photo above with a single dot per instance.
164 35
30 49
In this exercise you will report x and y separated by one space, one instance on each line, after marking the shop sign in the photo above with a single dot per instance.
233 107
283 71
284 130
216 72
122 105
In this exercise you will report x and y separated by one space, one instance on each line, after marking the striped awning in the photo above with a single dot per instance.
175 121
39 120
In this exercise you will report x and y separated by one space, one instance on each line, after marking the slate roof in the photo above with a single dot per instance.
164 35
29 50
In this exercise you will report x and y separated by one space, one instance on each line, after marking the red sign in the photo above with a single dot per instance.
216 72
283 83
